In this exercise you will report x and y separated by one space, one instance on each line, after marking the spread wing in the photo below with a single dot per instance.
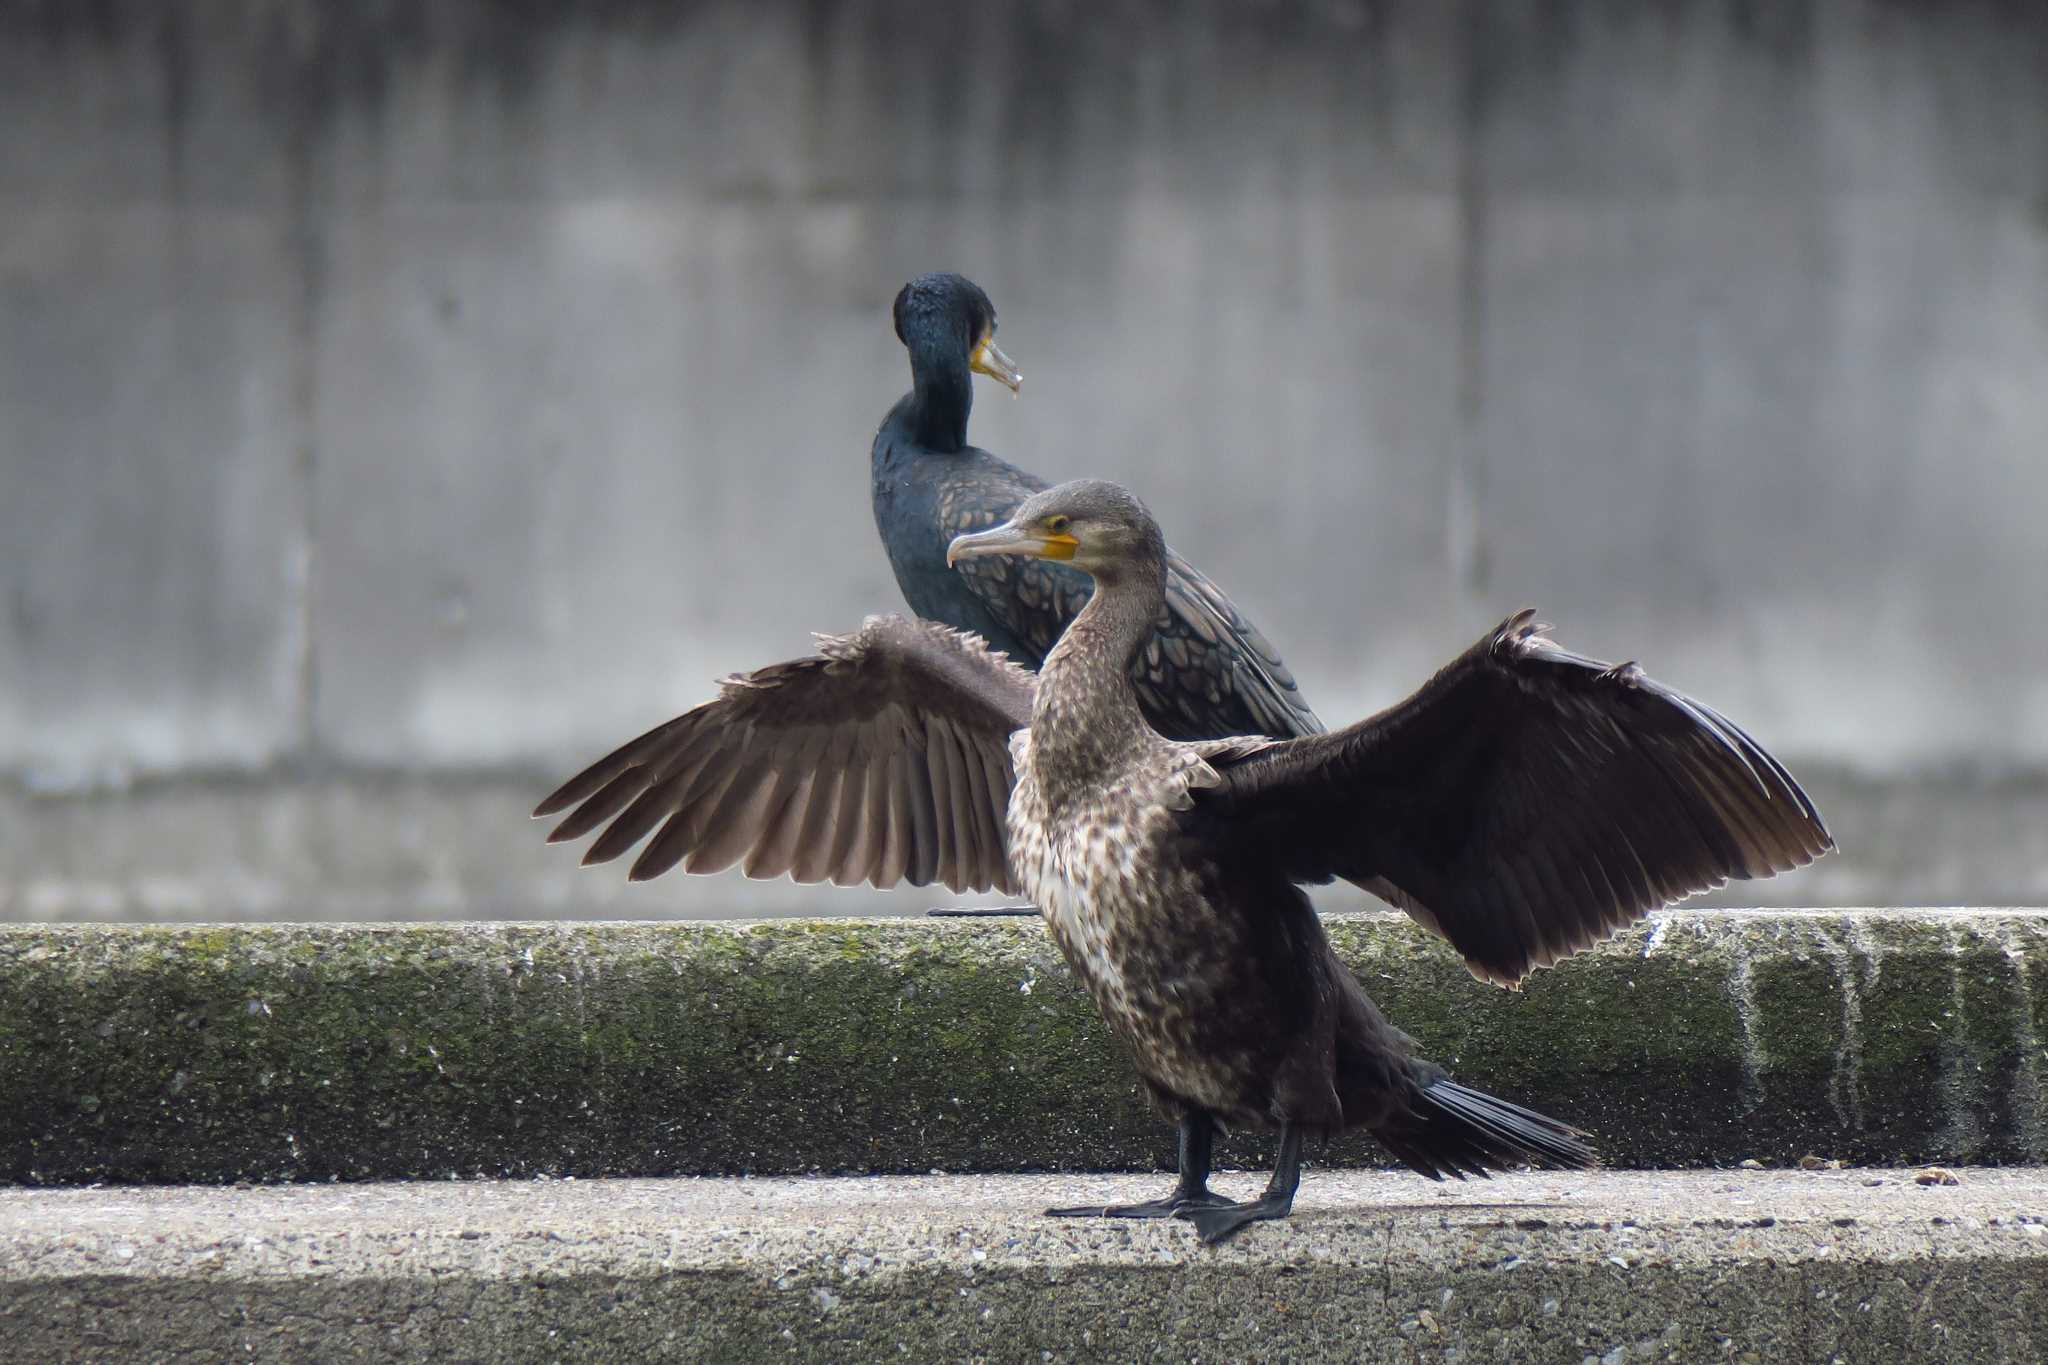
1526 803
884 757
1206 673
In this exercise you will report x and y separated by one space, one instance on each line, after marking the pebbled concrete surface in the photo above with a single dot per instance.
307 1052
1852 1265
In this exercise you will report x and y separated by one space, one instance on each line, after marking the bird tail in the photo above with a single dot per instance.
1451 1130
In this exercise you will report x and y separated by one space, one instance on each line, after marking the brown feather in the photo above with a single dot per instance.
1526 802
850 765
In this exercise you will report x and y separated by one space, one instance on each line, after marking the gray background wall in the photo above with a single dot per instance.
401 403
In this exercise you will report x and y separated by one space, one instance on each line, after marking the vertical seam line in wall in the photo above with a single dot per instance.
305 252
1463 533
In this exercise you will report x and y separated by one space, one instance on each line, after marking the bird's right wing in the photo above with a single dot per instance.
884 757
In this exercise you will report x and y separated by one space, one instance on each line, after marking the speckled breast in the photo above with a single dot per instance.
1121 917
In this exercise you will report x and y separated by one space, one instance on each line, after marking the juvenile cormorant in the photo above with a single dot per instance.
1204 671
1524 804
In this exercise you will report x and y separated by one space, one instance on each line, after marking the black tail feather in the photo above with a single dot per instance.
1451 1130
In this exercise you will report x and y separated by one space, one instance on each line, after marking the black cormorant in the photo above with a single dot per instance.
1525 803
1204 672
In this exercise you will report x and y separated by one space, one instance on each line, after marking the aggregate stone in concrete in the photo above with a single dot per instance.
1857 1264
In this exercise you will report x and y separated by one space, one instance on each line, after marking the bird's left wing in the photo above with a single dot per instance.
1242 667
1526 803
884 757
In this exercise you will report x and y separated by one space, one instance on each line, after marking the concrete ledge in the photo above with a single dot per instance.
293 1052
1608 1267
362 844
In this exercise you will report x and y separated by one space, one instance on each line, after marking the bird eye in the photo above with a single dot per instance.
1057 524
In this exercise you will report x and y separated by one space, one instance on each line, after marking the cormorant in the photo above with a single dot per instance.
1525 803
1204 671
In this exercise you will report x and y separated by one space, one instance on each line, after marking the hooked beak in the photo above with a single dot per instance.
988 359
1011 539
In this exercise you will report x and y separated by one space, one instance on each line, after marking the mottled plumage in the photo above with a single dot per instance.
1204 671
1523 804
882 758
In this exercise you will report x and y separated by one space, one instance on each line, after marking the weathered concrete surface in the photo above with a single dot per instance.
317 1052
364 846
431 383
400 400
1856 1265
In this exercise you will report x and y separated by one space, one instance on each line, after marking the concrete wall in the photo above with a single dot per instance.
459 387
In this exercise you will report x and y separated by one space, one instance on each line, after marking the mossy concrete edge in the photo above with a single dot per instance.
315 1052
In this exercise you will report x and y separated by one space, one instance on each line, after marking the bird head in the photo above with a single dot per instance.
1096 526
949 313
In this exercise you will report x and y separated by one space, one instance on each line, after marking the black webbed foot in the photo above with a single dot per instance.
1191 1191
1219 1222
1216 1223
1174 1205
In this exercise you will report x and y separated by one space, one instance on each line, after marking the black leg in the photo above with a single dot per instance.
1217 1222
1197 1132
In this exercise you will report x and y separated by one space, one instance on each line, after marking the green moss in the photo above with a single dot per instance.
290 1052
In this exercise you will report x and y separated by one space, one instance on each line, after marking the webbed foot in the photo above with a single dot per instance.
1175 1205
1216 1223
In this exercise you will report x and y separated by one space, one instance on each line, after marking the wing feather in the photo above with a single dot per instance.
980 829
687 801
994 777
737 825
882 757
776 851
886 808
924 817
812 861
628 755
851 856
948 793
1526 802
649 809
612 797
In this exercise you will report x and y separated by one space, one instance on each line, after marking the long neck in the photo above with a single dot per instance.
941 397
1087 718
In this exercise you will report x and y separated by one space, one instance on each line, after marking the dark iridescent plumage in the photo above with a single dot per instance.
1205 671
1524 804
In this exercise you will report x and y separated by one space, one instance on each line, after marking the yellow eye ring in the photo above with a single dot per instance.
1057 524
